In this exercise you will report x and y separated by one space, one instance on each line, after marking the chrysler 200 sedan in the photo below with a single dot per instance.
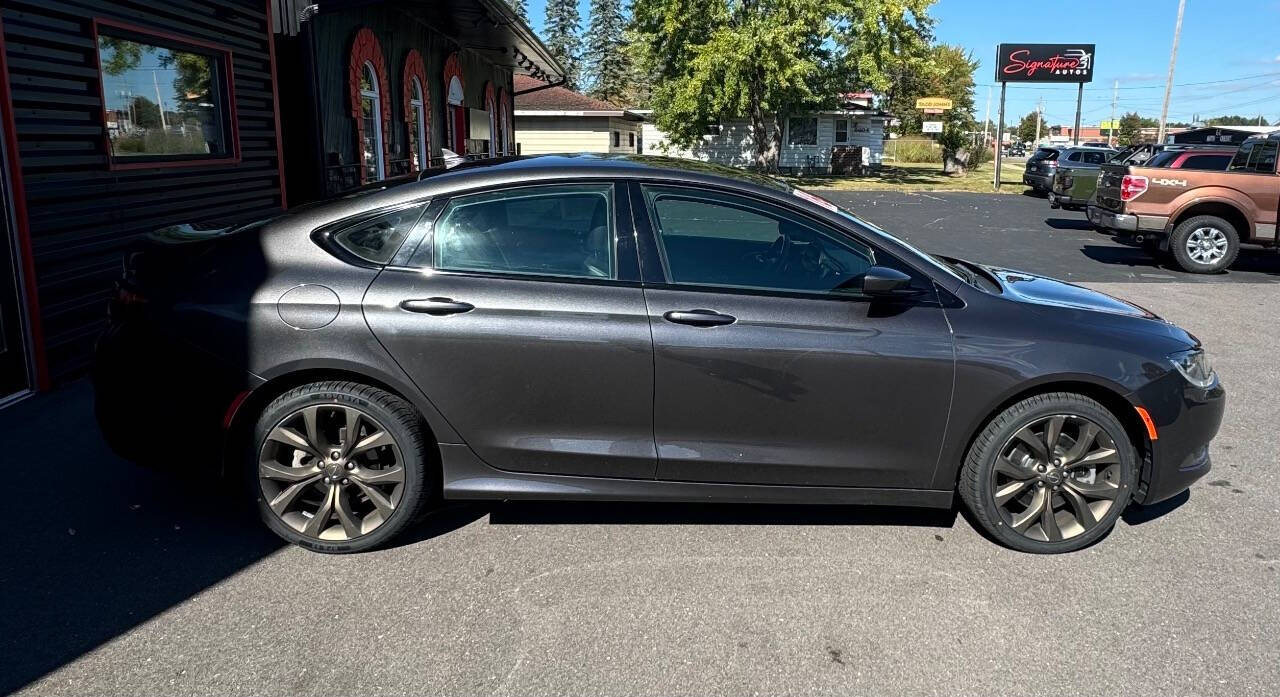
629 328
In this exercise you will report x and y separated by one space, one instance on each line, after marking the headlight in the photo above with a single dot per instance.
1194 366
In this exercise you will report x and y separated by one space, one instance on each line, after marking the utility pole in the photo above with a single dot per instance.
1039 114
1168 83
159 101
1111 133
986 123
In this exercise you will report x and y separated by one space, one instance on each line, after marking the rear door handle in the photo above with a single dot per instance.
699 318
437 306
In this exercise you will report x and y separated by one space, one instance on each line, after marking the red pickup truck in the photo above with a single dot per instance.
1200 218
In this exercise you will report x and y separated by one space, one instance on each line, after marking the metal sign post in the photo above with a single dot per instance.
1075 134
1000 137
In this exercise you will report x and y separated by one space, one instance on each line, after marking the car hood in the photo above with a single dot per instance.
1042 290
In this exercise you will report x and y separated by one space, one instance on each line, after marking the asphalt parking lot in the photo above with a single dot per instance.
118 580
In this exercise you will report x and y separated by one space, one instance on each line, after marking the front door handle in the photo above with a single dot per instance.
699 318
437 306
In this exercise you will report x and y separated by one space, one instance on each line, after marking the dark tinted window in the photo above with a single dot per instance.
1093 157
1044 154
1215 162
551 230
802 130
723 240
1255 156
377 239
1074 157
1163 159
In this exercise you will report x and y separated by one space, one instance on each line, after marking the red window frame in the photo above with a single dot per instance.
168 40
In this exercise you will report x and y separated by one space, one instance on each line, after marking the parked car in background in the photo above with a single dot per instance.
1097 144
1199 217
1075 160
632 328
1039 172
1016 150
1074 187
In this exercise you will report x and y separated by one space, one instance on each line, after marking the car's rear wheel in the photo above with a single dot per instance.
338 466
1049 474
1204 244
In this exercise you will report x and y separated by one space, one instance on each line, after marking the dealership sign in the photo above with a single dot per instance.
1044 63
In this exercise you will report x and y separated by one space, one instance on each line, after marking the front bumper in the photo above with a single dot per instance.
1186 420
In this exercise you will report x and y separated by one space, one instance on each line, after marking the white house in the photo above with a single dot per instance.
838 141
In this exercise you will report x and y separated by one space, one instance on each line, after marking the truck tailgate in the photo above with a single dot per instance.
1109 178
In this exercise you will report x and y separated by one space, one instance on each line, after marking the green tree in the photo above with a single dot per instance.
714 60
563 28
521 7
145 113
1130 130
945 71
1234 120
607 63
1026 130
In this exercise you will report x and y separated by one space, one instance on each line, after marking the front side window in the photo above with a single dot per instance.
561 230
371 131
377 239
802 130
164 101
712 239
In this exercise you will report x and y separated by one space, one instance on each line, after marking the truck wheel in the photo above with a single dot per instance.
1204 244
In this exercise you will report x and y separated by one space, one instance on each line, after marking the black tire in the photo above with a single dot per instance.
1182 234
977 477
383 409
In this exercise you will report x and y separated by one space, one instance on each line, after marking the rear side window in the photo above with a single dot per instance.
1258 156
1214 162
1094 158
1074 157
1162 159
377 239
562 230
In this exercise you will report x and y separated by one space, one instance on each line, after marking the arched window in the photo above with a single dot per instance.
455 112
370 106
417 111
371 159
504 108
491 108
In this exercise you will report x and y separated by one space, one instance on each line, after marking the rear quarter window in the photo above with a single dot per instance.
1211 162
376 239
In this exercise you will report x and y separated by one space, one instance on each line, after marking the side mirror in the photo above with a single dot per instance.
882 281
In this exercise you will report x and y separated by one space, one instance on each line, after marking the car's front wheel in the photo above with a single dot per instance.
338 466
1049 474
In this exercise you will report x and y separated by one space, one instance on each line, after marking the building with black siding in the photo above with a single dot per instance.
121 117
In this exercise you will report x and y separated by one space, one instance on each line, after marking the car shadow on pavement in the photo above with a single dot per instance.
1068 224
1139 515
95 545
626 513
1130 254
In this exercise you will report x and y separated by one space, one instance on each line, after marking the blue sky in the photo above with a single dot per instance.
1133 41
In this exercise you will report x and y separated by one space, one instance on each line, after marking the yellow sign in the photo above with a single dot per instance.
1109 124
933 103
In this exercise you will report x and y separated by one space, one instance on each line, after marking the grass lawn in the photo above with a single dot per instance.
920 177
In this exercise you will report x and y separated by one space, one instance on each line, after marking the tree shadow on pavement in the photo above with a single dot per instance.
96 545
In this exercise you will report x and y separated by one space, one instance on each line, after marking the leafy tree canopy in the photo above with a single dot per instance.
1234 120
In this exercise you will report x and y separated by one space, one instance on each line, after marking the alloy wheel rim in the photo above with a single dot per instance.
1206 245
331 472
1056 478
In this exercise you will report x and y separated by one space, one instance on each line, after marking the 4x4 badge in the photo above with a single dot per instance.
1169 182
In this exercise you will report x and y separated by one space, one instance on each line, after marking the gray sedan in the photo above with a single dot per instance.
629 328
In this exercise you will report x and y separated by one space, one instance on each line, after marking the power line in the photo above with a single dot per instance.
1139 87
